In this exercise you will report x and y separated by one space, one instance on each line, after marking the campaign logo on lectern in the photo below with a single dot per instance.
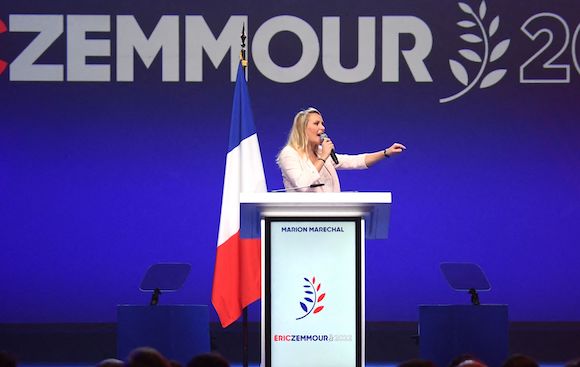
310 304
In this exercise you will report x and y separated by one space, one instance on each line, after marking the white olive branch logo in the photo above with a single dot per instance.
459 71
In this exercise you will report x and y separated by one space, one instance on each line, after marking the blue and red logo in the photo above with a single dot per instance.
312 299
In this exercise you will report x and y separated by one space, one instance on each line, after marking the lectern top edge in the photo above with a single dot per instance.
373 206
317 197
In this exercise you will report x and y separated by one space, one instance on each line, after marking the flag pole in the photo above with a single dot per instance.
243 49
245 338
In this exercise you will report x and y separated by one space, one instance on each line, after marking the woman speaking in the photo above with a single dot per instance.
308 161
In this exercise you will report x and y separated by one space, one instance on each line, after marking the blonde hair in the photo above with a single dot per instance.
297 137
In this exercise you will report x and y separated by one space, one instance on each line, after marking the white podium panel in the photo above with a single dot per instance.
312 300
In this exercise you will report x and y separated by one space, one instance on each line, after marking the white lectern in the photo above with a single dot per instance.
313 273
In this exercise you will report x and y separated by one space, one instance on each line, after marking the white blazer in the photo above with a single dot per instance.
298 170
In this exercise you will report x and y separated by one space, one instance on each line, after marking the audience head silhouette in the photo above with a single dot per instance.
520 360
147 357
111 362
460 359
7 360
471 363
208 360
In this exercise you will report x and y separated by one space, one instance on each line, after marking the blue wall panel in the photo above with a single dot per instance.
98 180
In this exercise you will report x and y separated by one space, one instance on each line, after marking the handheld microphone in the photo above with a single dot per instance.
332 153
300 187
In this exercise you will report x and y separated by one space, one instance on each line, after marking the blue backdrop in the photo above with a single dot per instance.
100 179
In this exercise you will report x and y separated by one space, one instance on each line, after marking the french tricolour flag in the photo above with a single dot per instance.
236 280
